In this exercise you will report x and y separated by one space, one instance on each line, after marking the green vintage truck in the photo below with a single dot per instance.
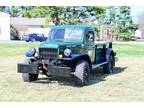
70 51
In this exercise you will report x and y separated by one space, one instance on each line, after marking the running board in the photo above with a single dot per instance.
98 65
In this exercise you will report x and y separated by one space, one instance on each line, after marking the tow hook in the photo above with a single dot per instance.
45 68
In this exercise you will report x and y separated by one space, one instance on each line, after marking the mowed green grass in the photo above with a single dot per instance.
12 49
125 84
135 49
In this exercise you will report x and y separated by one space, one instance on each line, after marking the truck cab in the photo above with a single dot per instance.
70 51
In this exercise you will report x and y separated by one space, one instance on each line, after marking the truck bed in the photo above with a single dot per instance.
102 42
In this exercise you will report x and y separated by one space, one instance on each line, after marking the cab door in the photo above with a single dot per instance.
90 45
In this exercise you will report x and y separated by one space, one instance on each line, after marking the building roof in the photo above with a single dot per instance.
27 21
2 14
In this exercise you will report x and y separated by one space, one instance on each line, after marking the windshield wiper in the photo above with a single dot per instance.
70 32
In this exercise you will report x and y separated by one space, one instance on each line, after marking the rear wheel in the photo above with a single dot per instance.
108 68
82 73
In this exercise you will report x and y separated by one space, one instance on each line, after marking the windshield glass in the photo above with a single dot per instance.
66 34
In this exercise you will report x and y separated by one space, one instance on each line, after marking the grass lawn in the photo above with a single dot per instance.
124 49
15 49
125 84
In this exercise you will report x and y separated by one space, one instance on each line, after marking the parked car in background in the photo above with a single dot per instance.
34 37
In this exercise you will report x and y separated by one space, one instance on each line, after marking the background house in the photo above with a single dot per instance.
28 25
12 28
4 26
141 29
22 25
138 33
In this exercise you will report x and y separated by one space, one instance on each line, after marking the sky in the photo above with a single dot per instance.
135 11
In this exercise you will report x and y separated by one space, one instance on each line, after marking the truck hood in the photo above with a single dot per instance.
58 43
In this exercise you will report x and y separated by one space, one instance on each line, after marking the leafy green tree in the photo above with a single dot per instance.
95 17
2 8
64 15
125 25
15 11
118 21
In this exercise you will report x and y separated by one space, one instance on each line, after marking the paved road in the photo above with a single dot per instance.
13 42
10 41
140 40
21 42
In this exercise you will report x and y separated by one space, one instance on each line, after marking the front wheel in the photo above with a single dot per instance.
28 77
108 68
82 73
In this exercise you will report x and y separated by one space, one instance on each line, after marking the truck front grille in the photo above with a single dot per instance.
47 53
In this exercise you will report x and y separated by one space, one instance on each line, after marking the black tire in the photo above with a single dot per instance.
82 73
27 77
108 68
27 41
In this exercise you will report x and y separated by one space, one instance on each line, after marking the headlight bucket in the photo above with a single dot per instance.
67 52
31 52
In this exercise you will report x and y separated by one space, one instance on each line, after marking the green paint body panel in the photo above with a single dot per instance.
80 47
74 45
58 43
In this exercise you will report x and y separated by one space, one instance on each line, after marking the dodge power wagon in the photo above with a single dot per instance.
70 51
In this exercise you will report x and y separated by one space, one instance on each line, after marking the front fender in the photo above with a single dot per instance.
109 52
74 59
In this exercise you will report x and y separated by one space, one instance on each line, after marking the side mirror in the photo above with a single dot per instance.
90 37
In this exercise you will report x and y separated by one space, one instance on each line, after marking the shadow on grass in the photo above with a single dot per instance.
96 76
59 80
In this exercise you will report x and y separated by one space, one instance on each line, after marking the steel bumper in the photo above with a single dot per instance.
52 69
59 71
27 68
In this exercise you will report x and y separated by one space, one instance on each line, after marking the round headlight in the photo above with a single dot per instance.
67 52
32 51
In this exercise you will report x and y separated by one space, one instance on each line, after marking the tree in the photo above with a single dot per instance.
44 11
125 25
118 21
71 15
64 15
2 8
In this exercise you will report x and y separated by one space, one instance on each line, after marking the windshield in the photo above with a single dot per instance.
66 34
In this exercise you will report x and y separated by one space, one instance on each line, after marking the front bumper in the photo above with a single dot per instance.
59 71
27 68
52 69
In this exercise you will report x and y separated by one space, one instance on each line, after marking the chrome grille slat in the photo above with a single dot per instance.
47 53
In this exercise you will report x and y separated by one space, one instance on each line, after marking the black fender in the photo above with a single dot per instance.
72 62
109 52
